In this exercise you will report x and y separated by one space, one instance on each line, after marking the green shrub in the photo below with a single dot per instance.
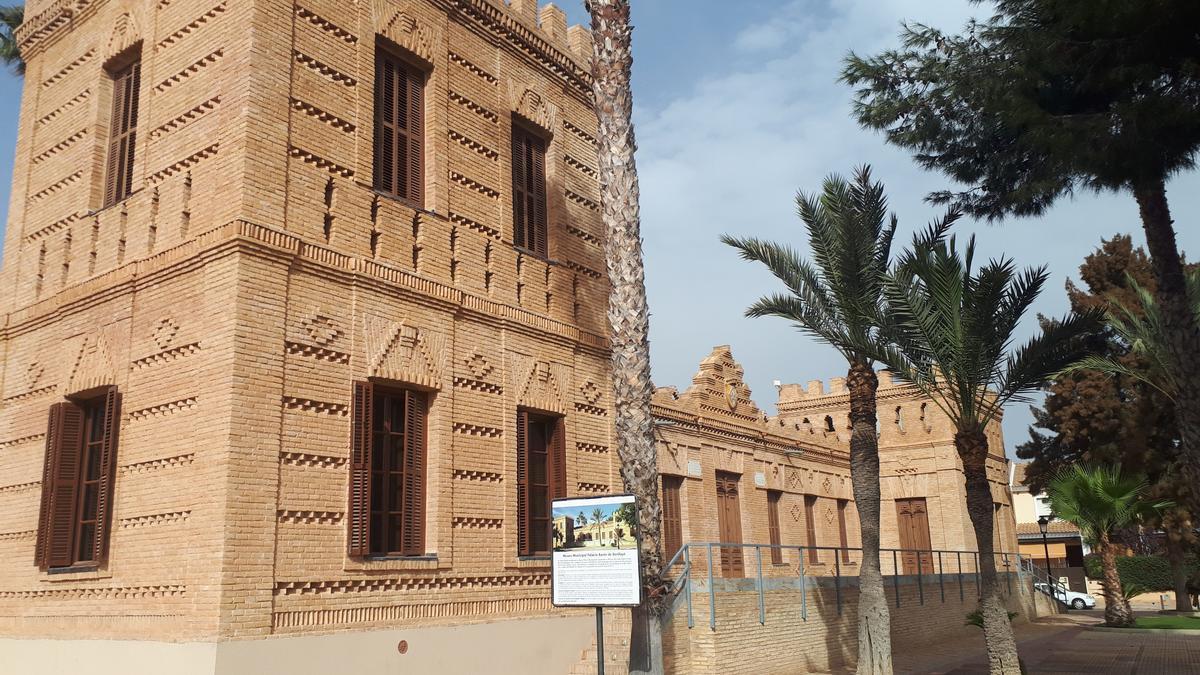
1150 572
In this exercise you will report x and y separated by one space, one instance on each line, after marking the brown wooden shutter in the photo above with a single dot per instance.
773 526
108 452
520 197
359 508
810 526
64 441
537 189
122 137
672 517
415 137
558 460
412 536
385 124
399 129
842 534
523 511
49 471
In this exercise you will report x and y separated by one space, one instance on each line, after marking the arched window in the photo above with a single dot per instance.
829 424
806 425
900 418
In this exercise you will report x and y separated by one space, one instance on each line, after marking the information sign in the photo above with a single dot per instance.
595 559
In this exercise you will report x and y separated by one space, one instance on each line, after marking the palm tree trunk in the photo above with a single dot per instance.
1116 607
628 313
1177 553
1003 659
874 621
1180 325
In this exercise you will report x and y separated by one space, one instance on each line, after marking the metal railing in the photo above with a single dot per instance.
1044 583
811 566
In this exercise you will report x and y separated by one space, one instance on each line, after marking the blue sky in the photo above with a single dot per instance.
737 106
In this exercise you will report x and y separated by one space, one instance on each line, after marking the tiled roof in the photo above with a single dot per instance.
1055 527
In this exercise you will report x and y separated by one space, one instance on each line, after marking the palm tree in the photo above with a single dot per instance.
951 328
628 311
835 299
1100 500
10 19
1140 326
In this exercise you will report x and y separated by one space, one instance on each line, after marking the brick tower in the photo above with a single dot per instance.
302 325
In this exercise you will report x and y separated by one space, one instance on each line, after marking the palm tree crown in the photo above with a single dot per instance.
1100 499
11 18
951 329
836 296
1141 327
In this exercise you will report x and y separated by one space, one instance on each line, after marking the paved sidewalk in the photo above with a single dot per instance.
1063 644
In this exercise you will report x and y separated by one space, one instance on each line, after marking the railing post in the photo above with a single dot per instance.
978 589
712 598
920 579
961 596
803 588
1007 576
687 560
837 580
896 577
762 612
941 581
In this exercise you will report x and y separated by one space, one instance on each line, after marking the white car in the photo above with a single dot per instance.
1075 600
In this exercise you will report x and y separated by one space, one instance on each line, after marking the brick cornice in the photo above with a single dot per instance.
523 40
771 442
258 239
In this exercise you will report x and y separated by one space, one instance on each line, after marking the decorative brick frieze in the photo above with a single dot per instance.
166 356
191 26
149 465
68 69
199 65
20 487
594 448
475 70
321 407
196 112
101 593
477 523
310 517
439 583
477 108
326 25
320 162
162 409
313 460
477 385
321 353
477 430
389 614
324 69
168 518
326 117
478 476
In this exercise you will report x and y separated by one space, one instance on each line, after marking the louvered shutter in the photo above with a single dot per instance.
385 125
49 471
359 507
672 520
122 137
537 189
108 453
773 526
64 485
523 483
558 460
414 173
520 196
412 537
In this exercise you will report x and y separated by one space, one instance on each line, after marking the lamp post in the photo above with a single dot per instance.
1044 525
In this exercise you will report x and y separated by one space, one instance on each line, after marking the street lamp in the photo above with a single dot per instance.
1044 525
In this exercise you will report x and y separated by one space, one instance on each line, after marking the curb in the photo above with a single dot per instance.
1154 631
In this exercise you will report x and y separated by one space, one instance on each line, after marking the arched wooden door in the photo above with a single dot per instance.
729 522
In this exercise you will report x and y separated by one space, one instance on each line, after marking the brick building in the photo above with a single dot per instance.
303 324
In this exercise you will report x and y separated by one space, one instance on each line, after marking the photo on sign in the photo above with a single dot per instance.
594 526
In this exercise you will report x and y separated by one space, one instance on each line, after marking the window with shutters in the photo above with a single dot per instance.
77 481
541 477
773 526
810 527
529 190
399 161
672 516
388 458
122 130
843 536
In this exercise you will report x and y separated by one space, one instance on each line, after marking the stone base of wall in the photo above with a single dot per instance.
802 630
544 645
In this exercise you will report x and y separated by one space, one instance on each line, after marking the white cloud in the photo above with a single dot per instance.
728 154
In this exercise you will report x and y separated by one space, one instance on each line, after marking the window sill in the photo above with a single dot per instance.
534 254
395 563
530 562
75 573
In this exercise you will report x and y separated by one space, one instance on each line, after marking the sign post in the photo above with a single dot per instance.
596 562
